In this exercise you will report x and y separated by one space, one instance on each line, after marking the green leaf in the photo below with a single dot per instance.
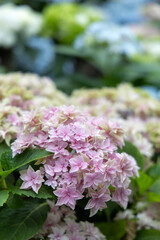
111 209
144 182
153 197
132 150
10 164
156 187
3 148
45 192
15 201
113 230
4 194
22 223
150 234
154 194
154 171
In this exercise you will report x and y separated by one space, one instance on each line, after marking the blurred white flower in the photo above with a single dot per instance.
141 205
127 214
82 19
15 20
152 47
146 221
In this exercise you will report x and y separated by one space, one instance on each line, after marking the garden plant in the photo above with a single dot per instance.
79 120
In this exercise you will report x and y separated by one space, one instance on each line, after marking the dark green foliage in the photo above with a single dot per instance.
113 230
22 223
4 194
148 235
9 164
45 192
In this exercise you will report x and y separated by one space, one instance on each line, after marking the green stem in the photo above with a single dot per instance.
3 184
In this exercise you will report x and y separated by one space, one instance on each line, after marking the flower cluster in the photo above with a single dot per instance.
15 20
146 216
23 92
61 224
128 106
85 161
73 20
153 127
137 132
126 101
118 39
16 89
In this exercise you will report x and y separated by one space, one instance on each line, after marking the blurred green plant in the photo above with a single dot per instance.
65 21
112 68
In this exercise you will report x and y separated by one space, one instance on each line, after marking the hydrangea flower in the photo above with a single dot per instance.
145 214
27 90
31 179
61 224
23 92
85 161
118 39
73 20
15 20
153 128
136 111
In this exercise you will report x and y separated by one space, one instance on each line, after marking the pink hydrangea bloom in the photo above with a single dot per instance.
61 224
85 162
121 196
93 179
68 196
58 234
77 164
31 179
98 200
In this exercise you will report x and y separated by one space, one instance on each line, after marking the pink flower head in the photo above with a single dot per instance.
80 131
70 178
110 171
74 236
67 195
61 224
57 147
93 179
127 166
91 232
77 163
121 196
69 111
13 118
72 226
58 234
98 200
81 146
31 179
25 141
49 168
61 165
115 132
65 132
51 182
84 156
41 139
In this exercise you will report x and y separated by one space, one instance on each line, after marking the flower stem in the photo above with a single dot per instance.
3 184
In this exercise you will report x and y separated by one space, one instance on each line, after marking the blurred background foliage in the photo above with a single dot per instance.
83 43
